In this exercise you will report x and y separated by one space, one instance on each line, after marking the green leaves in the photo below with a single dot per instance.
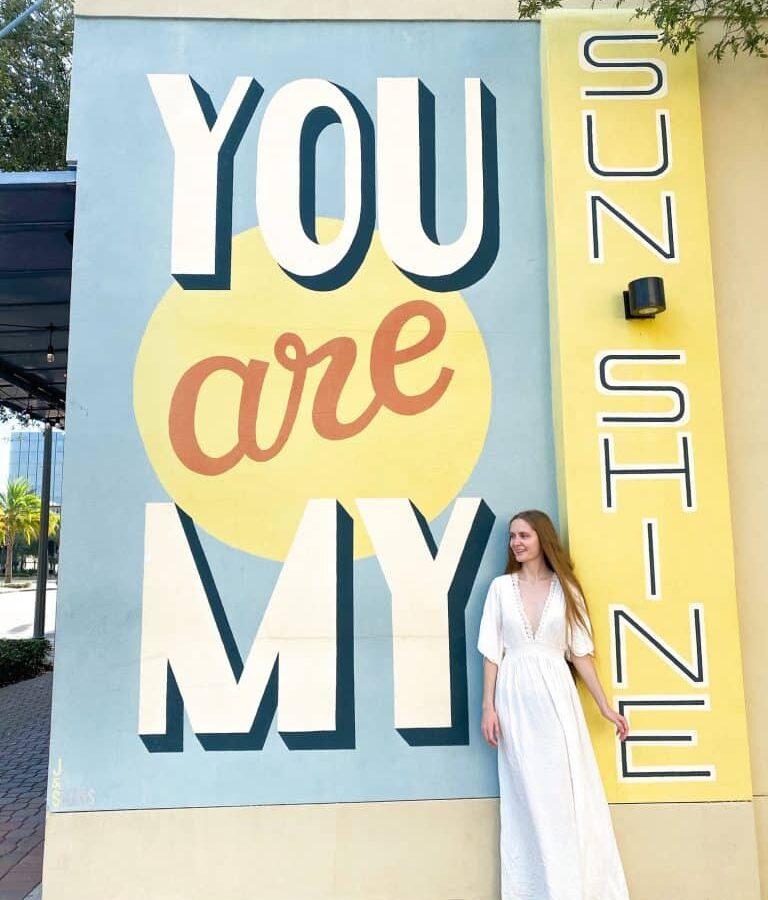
20 518
20 659
35 63
681 22
20 513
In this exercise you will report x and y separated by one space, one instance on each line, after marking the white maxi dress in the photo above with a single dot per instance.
557 840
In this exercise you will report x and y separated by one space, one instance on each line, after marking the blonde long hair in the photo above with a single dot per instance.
557 560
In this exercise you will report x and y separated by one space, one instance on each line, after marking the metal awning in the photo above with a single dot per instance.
37 212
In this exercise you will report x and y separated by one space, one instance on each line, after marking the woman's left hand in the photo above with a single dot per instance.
622 726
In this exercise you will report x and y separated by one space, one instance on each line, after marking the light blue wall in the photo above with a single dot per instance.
121 269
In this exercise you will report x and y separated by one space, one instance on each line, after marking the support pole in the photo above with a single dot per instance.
21 17
42 546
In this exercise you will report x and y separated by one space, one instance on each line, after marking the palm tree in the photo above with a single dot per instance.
20 518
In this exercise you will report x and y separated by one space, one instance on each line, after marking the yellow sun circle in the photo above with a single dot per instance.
217 374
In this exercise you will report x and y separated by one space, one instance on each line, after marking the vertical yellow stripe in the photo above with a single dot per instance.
677 646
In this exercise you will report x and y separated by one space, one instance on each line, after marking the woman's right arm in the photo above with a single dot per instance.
490 724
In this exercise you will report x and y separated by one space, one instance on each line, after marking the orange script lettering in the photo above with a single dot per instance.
291 353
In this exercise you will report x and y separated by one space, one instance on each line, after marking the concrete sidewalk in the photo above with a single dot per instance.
17 611
25 716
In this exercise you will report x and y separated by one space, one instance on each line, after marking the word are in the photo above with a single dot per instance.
291 353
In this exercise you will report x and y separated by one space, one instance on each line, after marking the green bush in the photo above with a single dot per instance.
23 659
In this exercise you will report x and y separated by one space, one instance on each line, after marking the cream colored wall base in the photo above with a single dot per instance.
676 851
428 850
761 828
407 851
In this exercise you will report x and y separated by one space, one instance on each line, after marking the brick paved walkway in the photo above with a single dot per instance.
25 717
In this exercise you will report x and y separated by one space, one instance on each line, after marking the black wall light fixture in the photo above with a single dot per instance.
645 298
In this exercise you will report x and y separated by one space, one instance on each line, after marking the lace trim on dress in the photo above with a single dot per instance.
529 633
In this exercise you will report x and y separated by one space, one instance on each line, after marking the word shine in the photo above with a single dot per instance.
624 618
389 171
291 353
300 665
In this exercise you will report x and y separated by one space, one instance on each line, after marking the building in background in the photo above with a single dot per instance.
26 460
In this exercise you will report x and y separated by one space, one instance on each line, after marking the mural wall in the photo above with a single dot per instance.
346 296
311 382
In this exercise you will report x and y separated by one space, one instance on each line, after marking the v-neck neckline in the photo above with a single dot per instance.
533 635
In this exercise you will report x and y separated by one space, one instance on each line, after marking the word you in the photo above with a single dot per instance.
390 173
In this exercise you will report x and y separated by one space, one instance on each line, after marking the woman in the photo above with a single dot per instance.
557 840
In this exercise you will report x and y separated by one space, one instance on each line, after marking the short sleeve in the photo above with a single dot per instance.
490 641
581 643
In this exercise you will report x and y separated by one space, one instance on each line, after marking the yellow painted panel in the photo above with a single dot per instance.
643 478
